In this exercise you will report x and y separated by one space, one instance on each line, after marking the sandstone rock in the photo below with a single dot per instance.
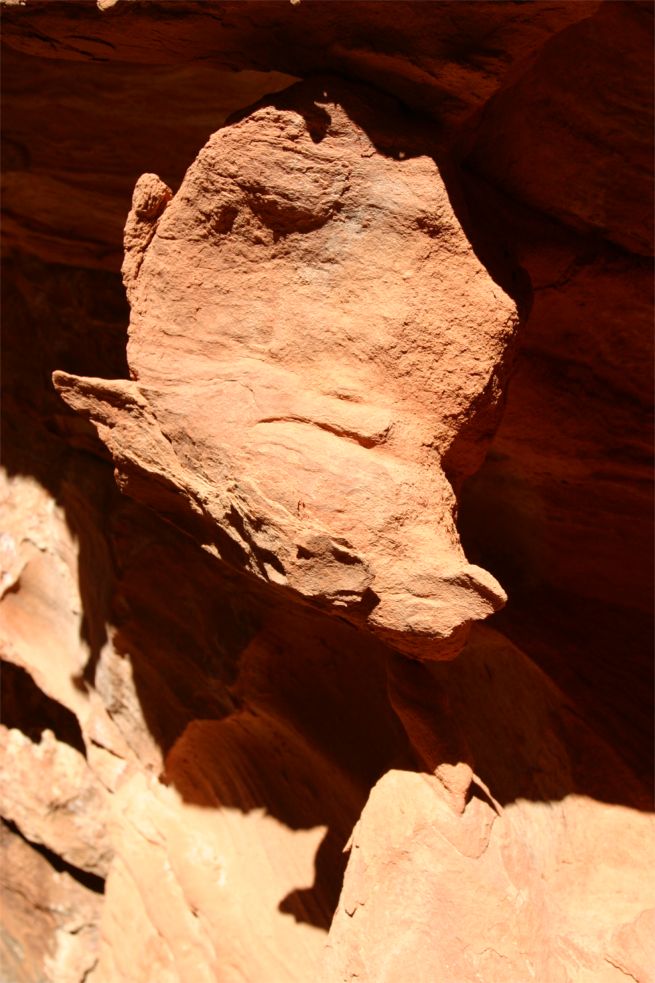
150 198
210 873
41 613
242 833
525 895
53 630
49 792
49 920
528 882
234 726
263 349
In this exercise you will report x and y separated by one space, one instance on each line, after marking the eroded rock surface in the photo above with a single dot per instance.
310 335
536 877
49 919
218 762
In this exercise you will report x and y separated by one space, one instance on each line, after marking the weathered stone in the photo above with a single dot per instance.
274 407
225 730
49 919
49 792
529 880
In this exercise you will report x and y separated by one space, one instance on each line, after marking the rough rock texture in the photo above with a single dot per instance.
48 791
219 548
311 335
49 919
519 883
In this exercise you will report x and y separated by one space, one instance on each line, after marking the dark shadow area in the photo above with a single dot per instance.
24 706
316 905
542 742
561 509
310 733
495 709
601 656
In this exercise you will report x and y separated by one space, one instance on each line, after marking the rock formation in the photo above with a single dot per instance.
378 368
311 336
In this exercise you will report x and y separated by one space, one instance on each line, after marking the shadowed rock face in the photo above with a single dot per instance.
217 762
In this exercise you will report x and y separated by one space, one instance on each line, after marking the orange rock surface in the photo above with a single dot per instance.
310 334
378 367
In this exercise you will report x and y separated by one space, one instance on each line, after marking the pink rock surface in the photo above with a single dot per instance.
49 920
279 345
217 757
532 884
49 792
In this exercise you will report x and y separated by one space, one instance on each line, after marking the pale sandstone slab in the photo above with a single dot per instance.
195 891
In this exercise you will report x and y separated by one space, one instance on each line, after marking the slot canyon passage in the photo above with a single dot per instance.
326 528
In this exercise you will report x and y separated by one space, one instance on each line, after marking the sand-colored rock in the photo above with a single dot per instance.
532 894
227 731
53 630
534 878
52 796
199 890
278 348
49 919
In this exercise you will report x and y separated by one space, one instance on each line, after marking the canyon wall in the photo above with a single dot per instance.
326 539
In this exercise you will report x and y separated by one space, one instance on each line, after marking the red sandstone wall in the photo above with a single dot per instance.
387 359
